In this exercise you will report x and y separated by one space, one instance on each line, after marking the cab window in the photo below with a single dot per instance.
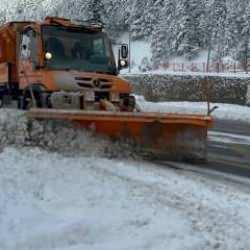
29 45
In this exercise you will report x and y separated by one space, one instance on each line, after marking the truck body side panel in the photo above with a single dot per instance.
9 44
28 75
4 73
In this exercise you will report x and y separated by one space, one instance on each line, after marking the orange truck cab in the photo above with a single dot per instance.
61 64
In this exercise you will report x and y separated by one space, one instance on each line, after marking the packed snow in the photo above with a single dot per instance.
49 201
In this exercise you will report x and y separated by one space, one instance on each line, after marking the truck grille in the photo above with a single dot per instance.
93 83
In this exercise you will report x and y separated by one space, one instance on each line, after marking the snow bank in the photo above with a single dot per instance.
48 201
230 112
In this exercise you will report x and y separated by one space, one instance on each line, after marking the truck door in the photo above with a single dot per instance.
28 58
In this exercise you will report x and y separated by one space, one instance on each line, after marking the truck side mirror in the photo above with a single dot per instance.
123 57
124 51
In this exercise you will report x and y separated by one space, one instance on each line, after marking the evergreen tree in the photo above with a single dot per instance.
175 27
217 20
243 49
2 16
137 19
234 26
163 44
144 17
117 15
187 17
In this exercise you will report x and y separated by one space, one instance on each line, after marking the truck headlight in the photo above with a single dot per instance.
89 96
114 97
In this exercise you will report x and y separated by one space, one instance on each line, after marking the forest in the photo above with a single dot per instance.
172 27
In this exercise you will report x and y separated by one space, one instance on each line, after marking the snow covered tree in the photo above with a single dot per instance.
137 18
187 23
145 65
163 43
217 19
116 18
243 48
2 16
174 27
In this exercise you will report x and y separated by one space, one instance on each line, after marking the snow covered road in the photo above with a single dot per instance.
229 138
86 200
49 201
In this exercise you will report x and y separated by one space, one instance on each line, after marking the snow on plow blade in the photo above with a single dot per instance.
158 136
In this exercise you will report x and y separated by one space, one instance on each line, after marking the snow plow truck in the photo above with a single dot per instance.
60 69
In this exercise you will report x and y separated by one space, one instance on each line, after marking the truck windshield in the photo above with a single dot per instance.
73 49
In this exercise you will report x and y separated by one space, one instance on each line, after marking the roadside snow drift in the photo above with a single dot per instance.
49 201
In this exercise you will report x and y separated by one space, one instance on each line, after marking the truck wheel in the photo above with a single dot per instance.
24 102
45 100
21 103
27 102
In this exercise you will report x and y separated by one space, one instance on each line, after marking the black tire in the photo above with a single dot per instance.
21 103
45 100
27 102
38 92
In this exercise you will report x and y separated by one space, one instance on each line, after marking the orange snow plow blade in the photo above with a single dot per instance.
159 136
